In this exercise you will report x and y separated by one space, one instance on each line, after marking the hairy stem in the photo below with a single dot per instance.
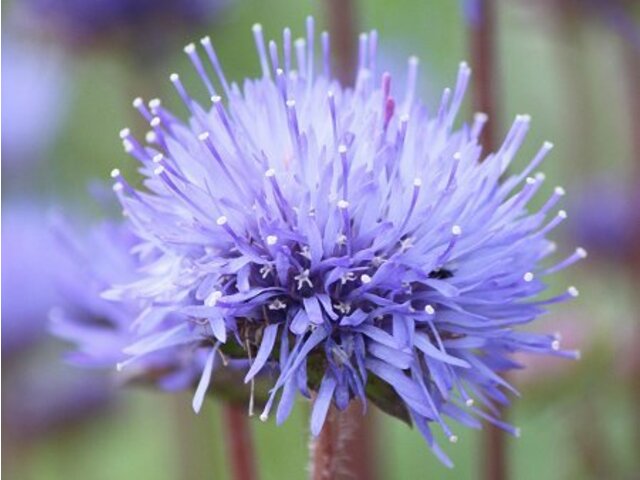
344 448
483 59
238 438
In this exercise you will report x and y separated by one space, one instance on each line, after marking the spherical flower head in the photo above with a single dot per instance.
345 236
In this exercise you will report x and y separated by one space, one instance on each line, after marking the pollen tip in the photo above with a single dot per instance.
562 214
573 291
272 240
453 438
548 145
528 277
469 402
264 417
414 60
115 173
154 103
517 432
203 136
174 77
137 102
155 122
222 220
119 367
256 27
343 204
159 170
540 176
188 49
290 103
342 148
555 345
205 40
365 279
157 158
457 156
417 182
429 310
559 191
117 187
270 173
581 252
481 117
456 230
150 137
124 133
216 98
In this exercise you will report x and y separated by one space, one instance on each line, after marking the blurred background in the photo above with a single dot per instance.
70 71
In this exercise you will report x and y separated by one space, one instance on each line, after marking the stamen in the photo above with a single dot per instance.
191 52
303 279
326 59
262 54
212 298
579 254
213 58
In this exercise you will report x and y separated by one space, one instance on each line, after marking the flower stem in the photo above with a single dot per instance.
342 20
238 438
483 59
325 449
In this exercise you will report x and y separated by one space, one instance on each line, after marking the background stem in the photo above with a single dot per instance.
240 444
342 20
483 59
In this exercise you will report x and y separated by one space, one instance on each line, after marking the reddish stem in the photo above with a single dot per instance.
240 444
341 17
344 449
483 59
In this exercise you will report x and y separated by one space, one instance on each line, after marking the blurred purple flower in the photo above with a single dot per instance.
34 93
39 394
604 215
83 22
346 237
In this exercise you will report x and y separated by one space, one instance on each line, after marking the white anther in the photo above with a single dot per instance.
290 103
528 277
517 432
158 158
270 173
548 145
155 122
559 191
457 156
342 149
138 102
205 40
266 270
581 252
190 48
481 117
264 417
341 239
573 291
417 182
212 298
174 77
469 402
456 230
256 27
343 307
453 439
222 220
159 170
117 187
365 279
277 304
128 146
562 214
115 173
216 99
347 277
555 345
303 278
429 310
540 176
124 133
530 180
154 103
150 137
203 136
343 204
272 240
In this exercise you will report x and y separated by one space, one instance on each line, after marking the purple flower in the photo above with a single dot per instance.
33 103
40 394
347 237
82 22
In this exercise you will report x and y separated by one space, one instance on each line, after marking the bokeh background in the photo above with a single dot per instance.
69 76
